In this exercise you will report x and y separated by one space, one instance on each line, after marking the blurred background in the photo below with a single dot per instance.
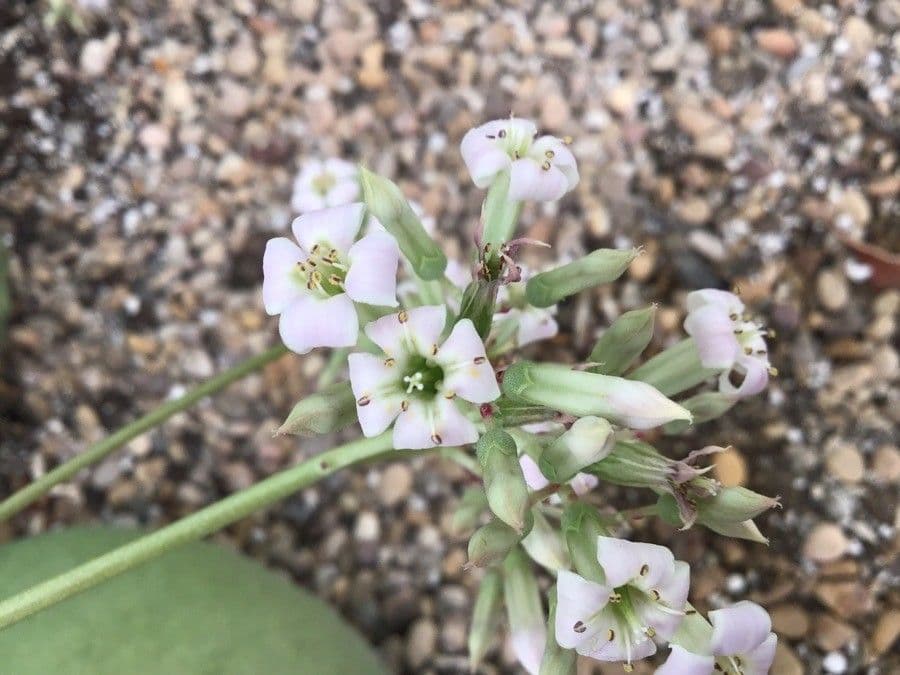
148 152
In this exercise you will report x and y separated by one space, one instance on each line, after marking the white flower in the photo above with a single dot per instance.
742 639
541 170
417 380
313 286
319 185
727 339
643 597
683 662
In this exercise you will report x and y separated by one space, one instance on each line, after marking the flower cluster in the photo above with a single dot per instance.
432 361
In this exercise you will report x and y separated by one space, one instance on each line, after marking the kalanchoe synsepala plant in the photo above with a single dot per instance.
438 367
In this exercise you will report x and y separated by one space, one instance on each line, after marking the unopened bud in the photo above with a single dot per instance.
634 463
706 406
504 484
527 625
581 527
486 616
490 543
745 530
472 504
385 201
585 443
734 505
556 661
499 214
478 304
545 544
600 267
579 393
623 341
330 410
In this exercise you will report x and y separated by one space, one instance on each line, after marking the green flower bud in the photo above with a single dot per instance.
706 406
528 443
499 215
556 661
674 370
486 616
385 201
527 625
330 410
492 542
583 444
478 302
581 526
745 530
472 504
734 505
600 267
504 484
634 463
579 393
623 341
545 544
674 513
512 413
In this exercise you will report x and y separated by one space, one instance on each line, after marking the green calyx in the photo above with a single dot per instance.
421 378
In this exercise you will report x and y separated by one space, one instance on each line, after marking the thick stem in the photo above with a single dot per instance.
30 493
192 528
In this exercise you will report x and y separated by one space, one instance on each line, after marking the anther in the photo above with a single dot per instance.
490 137
748 350
335 279
773 371
389 361
644 569
403 317
436 439
546 165
655 594
501 133
650 631
479 360
610 635
404 405
434 350
549 154
450 395
363 401
627 667
733 316
579 627
315 249
567 140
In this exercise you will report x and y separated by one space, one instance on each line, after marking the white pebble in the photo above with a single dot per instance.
835 662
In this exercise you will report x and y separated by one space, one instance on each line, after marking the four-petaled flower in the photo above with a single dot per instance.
313 286
321 184
728 339
542 169
642 597
418 379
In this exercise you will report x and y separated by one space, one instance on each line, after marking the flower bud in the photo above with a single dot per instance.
674 370
486 616
556 661
581 527
583 444
385 201
706 406
734 505
330 410
490 543
504 484
513 413
745 530
633 404
478 303
527 627
599 267
499 214
623 341
472 504
634 463
545 544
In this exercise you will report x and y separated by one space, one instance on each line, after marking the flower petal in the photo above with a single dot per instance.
412 430
280 286
528 644
583 483
758 661
339 168
528 180
683 662
666 614
578 601
755 373
426 424
535 325
418 332
305 199
713 332
484 162
336 226
534 478
343 192
310 322
378 396
451 425
713 296
626 561
739 628
562 158
467 372
372 277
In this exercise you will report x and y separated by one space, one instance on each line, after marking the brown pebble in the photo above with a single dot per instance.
790 620
886 464
825 543
786 662
831 634
845 463
887 630
778 42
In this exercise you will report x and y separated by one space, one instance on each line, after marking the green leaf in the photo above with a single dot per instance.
200 610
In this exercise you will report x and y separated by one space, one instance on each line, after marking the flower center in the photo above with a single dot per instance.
322 272
323 183
514 140
422 378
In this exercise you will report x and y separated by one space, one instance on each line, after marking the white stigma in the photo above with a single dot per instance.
413 382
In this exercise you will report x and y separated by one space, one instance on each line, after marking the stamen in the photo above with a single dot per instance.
336 280
501 133
389 361
650 631
610 635
363 401
403 317
733 316
479 360
615 597
315 249
567 140
436 439
414 382
579 627
644 569
434 350
656 595
773 371
748 350
490 137
549 154
450 395
545 166
404 405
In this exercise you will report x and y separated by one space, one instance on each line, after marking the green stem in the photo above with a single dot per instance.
500 215
336 360
30 493
193 527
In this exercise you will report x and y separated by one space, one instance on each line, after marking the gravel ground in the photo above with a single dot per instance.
147 157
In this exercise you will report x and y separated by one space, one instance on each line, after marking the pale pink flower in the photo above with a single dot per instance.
742 638
540 169
322 184
419 381
683 662
727 339
642 598
313 285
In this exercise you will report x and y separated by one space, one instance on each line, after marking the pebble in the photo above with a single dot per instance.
368 527
835 662
786 662
831 633
832 289
396 484
886 632
846 463
886 464
778 42
826 542
421 643
97 54
790 620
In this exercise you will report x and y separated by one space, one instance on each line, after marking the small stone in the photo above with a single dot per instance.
623 98
372 74
730 467
825 543
845 463
555 113
234 170
846 598
886 632
368 527
96 55
396 484
886 464
421 642
786 662
243 59
790 620
833 290
831 634
778 42
155 138
720 39
859 35
835 662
